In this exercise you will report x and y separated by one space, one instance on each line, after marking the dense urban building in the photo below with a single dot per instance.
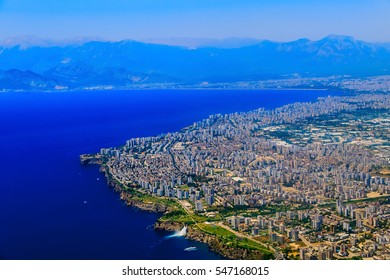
309 180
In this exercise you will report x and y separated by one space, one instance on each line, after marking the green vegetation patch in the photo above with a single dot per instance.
231 239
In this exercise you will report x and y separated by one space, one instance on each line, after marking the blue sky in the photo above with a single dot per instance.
279 20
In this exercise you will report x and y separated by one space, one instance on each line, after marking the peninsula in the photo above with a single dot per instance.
303 181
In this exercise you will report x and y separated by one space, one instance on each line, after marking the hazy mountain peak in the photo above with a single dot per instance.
115 64
336 37
224 43
24 42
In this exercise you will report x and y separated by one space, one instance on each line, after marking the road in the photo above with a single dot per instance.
238 234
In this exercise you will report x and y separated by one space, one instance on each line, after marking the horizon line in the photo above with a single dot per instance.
38 41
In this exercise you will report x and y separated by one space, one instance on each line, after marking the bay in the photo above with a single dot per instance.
43 187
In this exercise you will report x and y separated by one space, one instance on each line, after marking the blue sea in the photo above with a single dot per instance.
43 186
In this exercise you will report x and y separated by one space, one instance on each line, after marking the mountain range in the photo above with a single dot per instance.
130 63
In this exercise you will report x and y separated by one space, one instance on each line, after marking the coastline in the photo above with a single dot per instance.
178 89
87 129
214 243
210 227
226 248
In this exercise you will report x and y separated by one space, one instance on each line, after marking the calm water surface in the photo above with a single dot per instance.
43 186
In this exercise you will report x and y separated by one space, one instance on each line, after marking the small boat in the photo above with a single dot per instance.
85 202
97 179
189 249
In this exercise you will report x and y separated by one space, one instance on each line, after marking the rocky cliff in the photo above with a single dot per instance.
215 244
90 159
147 206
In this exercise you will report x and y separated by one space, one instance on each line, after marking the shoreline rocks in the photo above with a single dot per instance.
214 243
90 159
129 199
150 207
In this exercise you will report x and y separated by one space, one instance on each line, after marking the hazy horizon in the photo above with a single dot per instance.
228 42
281 20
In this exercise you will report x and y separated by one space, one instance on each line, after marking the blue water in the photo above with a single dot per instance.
43 186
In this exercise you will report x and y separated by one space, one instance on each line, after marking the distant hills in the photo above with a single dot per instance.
95 64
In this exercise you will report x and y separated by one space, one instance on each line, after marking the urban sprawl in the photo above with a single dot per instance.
306 180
